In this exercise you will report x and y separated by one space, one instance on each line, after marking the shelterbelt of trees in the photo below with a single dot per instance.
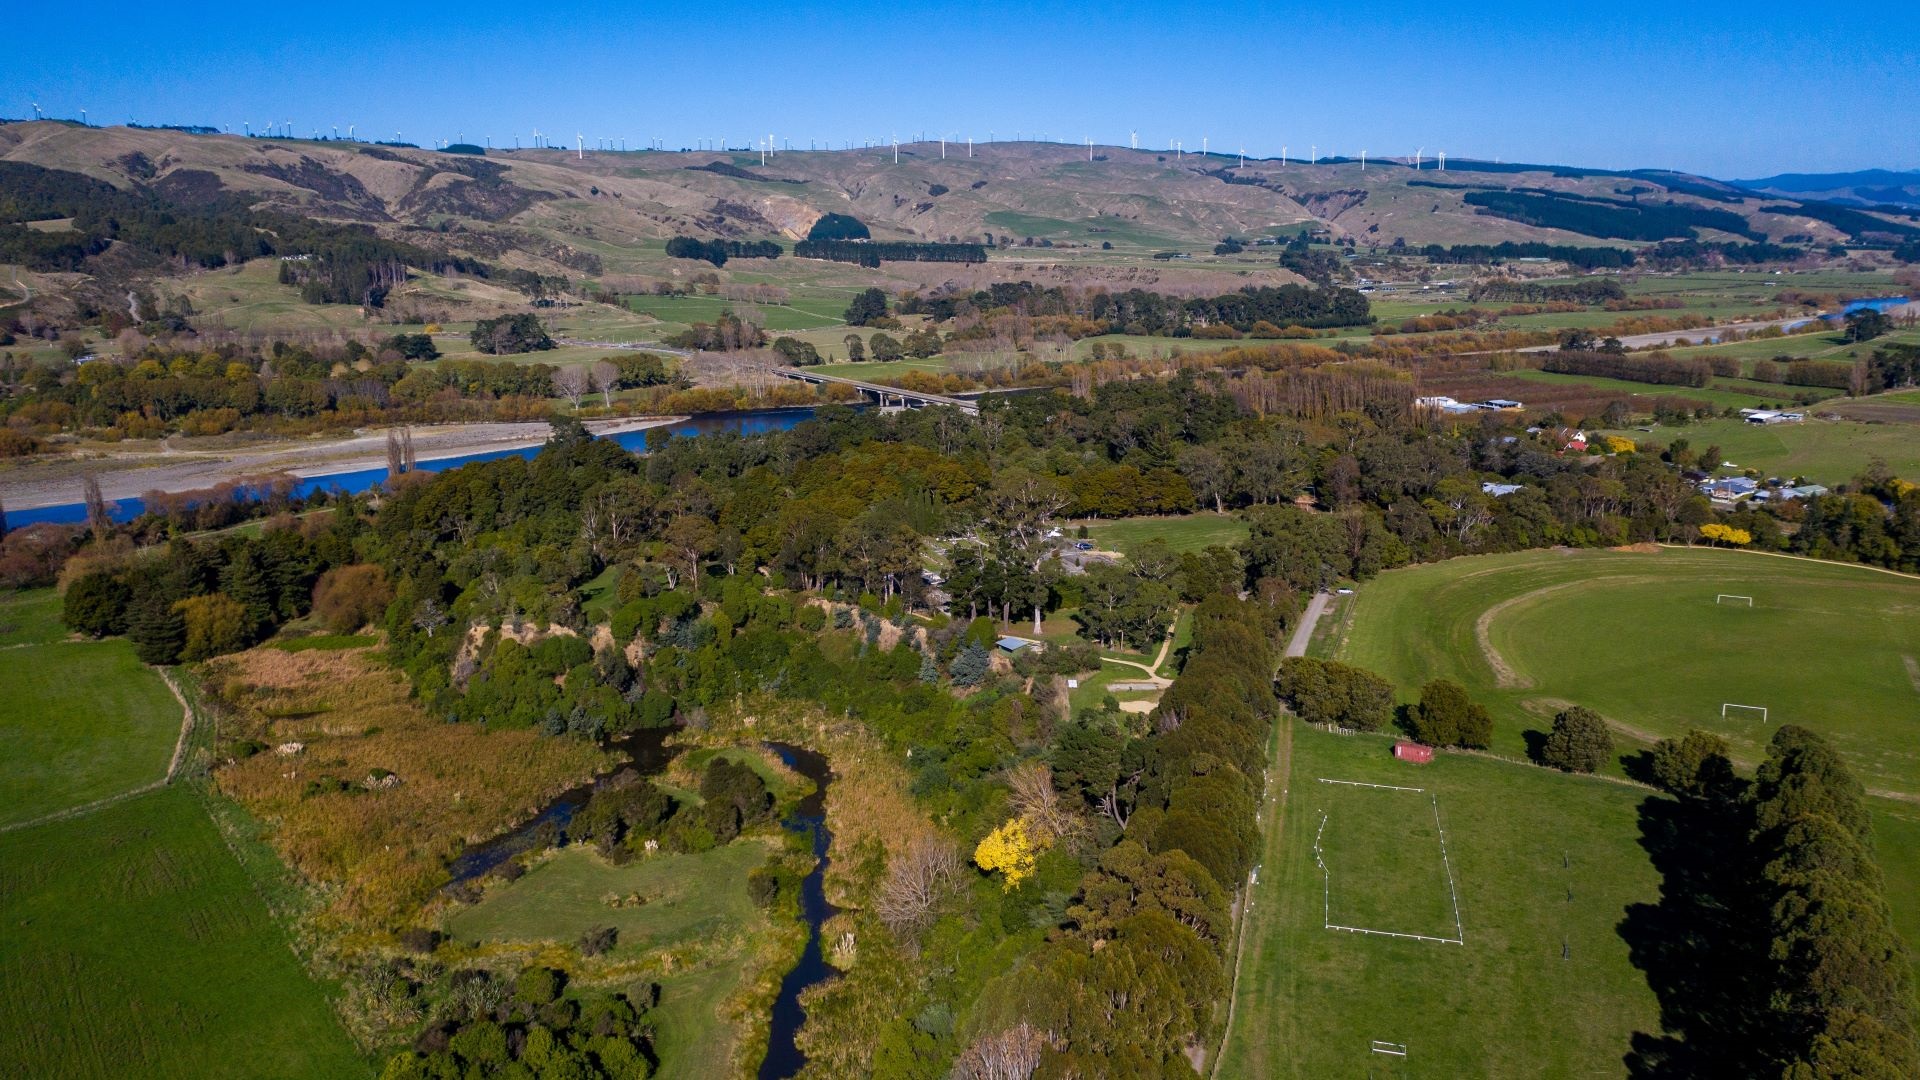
1139 311
1085 933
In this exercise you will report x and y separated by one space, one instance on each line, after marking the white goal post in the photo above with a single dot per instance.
1725 597
1728 707
1394 1048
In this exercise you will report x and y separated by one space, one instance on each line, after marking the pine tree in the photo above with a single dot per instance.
929 669
971 665
158 631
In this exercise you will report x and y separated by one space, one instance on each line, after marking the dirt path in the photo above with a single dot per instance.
1273 839
1153 669
1303 633
1504 675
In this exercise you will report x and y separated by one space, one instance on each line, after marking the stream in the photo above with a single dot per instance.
649 753
784 1058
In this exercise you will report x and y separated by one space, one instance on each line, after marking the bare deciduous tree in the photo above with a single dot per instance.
918 879
573 383
1013 1054
606 377
1034 798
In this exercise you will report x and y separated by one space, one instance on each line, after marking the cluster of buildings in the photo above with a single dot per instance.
1729 490
1449 405
1772 416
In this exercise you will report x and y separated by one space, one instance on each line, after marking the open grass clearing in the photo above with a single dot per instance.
1638 637
1190 532
685 899
79 721
1827 452
696 932
1311 1001
136 946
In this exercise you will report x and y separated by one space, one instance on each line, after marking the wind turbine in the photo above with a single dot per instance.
1133 140
896 149
83 118
1313 154
579 146
350 137
37 115
1443 160
1243 157
1203 146
336 133
1283 156
1089 147
1363 161
1416 158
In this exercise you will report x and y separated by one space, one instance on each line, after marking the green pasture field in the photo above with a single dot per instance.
79 721
1820 345
1311 1001
31 617
1743 397
1828 452
685 310
1191 532
135 945
1639 637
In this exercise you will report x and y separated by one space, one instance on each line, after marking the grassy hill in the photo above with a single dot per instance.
551 206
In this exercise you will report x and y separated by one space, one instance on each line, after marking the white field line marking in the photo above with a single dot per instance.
1378 787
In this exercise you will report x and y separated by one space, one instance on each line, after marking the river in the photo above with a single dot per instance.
752 422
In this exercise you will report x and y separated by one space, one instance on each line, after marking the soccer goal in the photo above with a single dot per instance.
1732 598
1730 709
1394 1048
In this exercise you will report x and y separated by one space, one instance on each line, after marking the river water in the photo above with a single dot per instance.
753 422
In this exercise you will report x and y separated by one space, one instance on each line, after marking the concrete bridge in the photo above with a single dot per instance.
885 395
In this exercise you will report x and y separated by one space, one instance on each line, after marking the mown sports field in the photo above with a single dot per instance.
1644 638
1539 985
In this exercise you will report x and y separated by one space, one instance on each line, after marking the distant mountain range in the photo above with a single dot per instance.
1867 187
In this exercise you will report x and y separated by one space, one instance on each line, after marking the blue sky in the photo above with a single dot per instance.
1730 90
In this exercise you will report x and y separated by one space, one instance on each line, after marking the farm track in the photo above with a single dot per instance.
1275 828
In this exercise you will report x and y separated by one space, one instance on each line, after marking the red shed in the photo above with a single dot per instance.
1412 751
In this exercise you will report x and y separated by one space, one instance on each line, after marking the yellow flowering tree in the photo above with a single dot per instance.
1618 445
1011 849
1726 534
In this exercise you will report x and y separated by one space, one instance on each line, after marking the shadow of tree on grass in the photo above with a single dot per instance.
1700 946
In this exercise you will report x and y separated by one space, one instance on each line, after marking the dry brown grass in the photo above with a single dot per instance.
377 852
